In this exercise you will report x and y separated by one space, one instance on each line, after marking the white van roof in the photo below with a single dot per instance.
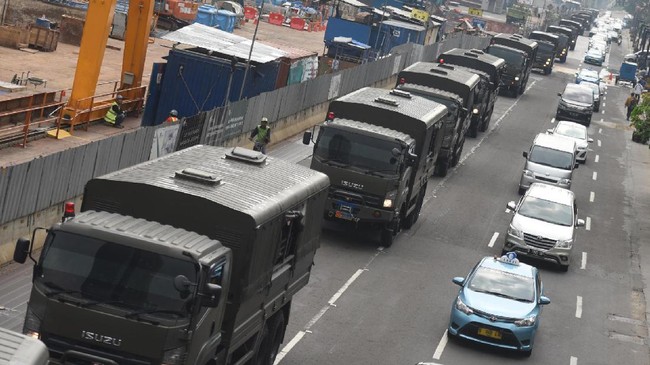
555 142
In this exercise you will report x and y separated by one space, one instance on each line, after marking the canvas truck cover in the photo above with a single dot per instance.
228 194
517 42
412 115
475 59
430 74
18 349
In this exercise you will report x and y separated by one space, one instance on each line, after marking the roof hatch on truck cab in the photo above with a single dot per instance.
246 155
386 101
402 93
196 175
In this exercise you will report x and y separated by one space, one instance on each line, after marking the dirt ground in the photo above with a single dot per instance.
58 67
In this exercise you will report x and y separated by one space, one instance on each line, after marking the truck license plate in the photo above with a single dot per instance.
489 333
344 212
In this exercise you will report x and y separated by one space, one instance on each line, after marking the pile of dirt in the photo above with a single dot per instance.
27 11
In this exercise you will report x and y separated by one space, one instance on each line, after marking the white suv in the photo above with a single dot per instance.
544 224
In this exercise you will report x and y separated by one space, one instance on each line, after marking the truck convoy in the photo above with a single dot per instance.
519 53
549 45
192 258
457 92
487 64
378 148
570 33
576 26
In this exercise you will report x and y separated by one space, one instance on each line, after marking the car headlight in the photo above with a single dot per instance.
32 326
462 307
516 78
512 231
565 181
474 111
526 322
528 173
174 356
564 243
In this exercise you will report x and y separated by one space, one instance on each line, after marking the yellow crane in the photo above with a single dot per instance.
84 105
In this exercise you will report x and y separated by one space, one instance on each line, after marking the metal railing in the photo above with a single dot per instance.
34 117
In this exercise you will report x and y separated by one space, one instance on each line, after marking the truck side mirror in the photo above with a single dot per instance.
211 295
22 250
306 138
525 154
411 159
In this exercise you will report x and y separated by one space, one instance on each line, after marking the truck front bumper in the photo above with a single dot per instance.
351 212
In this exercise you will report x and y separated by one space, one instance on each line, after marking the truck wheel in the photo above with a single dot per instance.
472 131
486 123
457 155
271 340
387 237
415 214
563 59
443 167
521 90
514 92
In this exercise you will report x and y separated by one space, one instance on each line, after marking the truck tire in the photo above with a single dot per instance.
443 167
387 237
458 153
563 59
415 214
472 131
271 340
486 122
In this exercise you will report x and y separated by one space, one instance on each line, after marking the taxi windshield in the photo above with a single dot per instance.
502 283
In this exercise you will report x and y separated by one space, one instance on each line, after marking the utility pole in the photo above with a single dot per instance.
5 6
250 53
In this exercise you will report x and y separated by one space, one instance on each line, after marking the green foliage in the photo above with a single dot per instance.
640 119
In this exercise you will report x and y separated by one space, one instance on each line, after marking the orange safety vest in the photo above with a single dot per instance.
171 119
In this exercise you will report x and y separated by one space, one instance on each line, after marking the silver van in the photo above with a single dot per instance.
19 349
550 160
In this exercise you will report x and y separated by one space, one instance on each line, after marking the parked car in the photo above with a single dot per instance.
576 132
543 225
499 304
576 103
596 89
588 75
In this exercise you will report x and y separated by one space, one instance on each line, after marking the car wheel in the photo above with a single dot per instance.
527 353
521 191
564 268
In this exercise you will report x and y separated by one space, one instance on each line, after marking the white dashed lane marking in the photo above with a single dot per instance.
599 143
579 307
493 239
588 224
573 360
597 158
441 346
595 176
583 264
592 196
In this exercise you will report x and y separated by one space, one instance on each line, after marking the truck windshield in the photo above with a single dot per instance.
105 272
545 48
514 59
356 150
550 157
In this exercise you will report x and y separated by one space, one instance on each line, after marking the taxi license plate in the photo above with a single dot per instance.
489 333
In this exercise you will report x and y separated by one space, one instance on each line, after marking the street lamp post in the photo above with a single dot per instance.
250 53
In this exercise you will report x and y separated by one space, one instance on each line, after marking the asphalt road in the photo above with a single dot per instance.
369 305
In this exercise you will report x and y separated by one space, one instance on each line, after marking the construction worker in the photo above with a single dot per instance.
261 135
173 117
115 115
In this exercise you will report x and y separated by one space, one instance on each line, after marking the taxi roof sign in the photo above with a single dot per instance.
508 258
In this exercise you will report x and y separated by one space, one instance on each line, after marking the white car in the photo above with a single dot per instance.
578 133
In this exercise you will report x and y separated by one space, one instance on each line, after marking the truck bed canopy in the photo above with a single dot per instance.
430 74
475 59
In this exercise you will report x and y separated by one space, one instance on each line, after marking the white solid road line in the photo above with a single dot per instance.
573 360
441 346
597 158
338 294
288 347
599 143
595 175
592 196
583 265
493 239
579 307
588 224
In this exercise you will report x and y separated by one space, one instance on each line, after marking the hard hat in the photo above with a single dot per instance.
119 97
265 119
173 113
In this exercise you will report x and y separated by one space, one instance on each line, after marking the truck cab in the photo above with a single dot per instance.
378 148
528 46
514 75
192 258
568 32
478 60
548 50
576 26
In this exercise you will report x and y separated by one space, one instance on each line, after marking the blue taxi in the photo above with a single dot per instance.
499 304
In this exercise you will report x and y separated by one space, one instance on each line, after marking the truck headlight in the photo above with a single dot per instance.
548 60
526 322
474 111
512 231
564 243
32 326
389 200
462 307
174 356
388 203
516 78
